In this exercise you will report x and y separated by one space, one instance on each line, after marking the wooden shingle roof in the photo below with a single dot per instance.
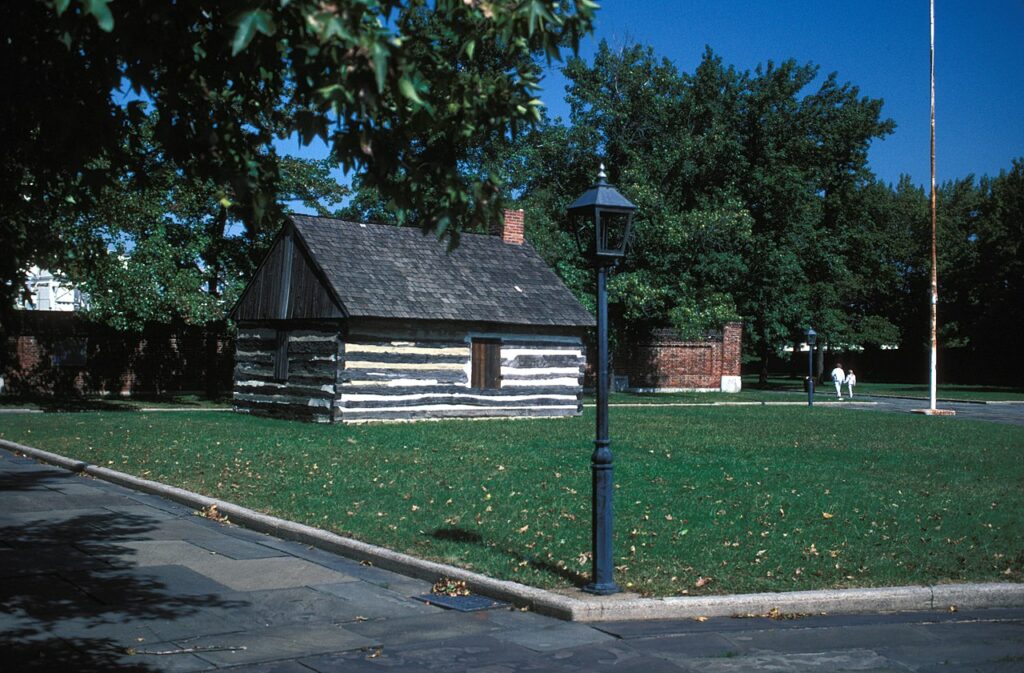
379 271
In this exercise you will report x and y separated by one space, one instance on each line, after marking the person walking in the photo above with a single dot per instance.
838 376
851 381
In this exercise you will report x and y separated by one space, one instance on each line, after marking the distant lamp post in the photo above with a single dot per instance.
602 220
812 338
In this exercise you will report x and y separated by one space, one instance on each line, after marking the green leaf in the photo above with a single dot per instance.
405 85
61 6
101 12
249 23
380 65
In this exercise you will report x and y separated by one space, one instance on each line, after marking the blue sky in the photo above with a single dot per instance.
880 46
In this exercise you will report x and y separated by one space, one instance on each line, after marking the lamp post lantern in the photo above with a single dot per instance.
812 338
604 219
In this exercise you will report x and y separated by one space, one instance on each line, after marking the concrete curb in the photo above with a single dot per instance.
763 403
573 605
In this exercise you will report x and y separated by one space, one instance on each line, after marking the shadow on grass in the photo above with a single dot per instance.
54 404
72 600
463 536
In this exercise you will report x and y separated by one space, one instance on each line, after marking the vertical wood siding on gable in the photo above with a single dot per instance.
311 388
409 374
287 285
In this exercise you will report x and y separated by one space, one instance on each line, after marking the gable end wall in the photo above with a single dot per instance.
310 390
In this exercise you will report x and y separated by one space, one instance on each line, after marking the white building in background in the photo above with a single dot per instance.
49 292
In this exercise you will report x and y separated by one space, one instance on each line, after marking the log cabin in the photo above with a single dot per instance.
351 322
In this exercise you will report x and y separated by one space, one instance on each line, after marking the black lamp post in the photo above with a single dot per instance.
812 338
610 215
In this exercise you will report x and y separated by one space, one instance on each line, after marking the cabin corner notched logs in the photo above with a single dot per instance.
309 391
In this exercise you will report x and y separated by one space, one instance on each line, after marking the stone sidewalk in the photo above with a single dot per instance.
96 577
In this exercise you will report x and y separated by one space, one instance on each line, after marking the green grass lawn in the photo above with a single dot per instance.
947 391
754 498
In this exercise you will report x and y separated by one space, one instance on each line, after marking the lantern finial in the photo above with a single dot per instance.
602 177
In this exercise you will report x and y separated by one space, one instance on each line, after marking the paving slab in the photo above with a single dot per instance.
687 646
280 643
234 548
864 661
957 653
441 625
611 657
465 653
272 667
165 657
374 602
250 574
282 607
36 559
823 639
550 638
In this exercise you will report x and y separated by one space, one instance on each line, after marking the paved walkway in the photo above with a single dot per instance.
996 413
95 577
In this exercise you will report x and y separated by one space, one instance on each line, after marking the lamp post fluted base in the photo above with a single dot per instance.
602 471
604 589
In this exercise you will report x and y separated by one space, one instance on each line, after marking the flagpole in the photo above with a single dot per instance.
932 409
933 386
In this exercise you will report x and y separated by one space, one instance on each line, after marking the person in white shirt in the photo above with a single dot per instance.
851 381
838 376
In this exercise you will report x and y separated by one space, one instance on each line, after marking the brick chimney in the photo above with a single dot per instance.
512 227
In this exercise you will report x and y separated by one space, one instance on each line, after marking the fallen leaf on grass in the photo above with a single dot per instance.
826 515
702 581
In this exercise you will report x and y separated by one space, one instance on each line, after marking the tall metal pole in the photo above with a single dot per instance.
810 375
933 385
601 467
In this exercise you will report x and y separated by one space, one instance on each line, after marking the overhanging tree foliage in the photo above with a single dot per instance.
227 78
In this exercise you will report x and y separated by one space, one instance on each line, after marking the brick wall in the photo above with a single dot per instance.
56 353
662 361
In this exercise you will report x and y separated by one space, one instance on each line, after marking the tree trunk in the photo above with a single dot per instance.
762 376
216 233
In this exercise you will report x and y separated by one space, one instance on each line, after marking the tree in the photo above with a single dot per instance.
226 79
1000 290
740 178
162 245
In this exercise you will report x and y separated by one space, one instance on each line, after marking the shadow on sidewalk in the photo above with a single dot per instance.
70 595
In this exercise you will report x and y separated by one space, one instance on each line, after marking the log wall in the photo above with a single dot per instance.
411 372
310 391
